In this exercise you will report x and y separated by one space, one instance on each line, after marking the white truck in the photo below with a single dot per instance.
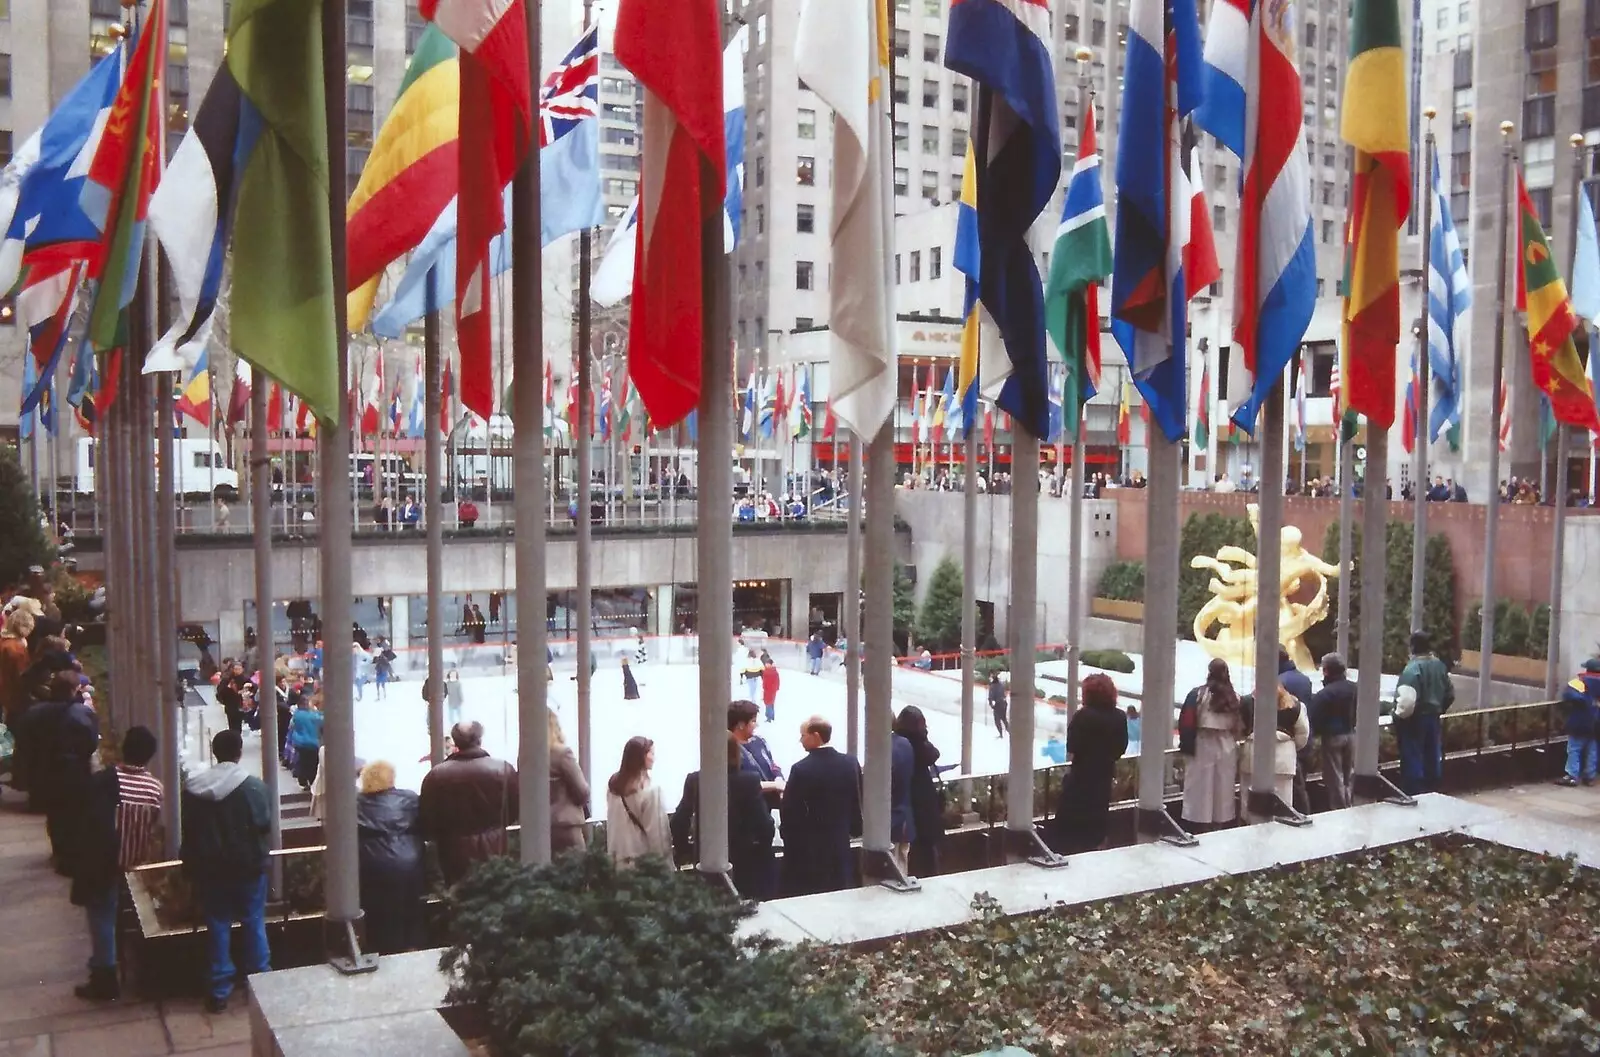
200 464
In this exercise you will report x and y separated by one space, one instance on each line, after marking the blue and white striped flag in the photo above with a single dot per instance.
1449 297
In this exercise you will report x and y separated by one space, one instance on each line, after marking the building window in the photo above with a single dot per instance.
930 48
5 146
803 323
1443 18
1540 26
805 218
930 93
5 76
932 8
625 137
415 27
1219 218
1539 162
1464 13
902 43
355 159
804 273
1541 199
761 170
1069 26
1327 193
902 89
805 173
915 274
1539 117
1097 32
958 143
1327 232
897 269
936 263
761 29
958 98
930 185
902 178
930 138
806 123
761 224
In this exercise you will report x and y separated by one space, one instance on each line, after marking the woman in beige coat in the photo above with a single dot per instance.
569 796
1292 733
1211 774
636 819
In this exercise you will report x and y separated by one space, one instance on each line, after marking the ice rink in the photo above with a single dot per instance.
395 729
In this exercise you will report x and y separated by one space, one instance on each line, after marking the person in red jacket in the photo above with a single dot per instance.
769 686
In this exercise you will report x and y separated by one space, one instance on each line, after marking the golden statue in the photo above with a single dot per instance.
1232 606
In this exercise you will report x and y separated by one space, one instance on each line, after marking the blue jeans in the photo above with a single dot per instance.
1583 757
1421 753
101 911
815 666
222 904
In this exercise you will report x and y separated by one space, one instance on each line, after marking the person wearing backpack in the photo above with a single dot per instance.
1211 773
1581 702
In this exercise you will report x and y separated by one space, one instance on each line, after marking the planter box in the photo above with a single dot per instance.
1113 609
1510 669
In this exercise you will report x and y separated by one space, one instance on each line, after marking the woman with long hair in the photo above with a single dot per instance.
927 806
636 820
1212 774
1096 739
569 795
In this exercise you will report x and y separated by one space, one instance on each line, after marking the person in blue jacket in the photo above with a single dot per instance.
1581 701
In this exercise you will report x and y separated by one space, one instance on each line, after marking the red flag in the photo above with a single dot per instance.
239 398
496 130
829 423
674 49
780 405
274 409
1408 424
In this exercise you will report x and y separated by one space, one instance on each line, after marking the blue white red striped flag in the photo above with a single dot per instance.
1275 282
1450 296
1004 46
1163 253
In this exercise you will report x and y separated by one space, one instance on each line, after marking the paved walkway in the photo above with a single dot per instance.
43 948
1577 806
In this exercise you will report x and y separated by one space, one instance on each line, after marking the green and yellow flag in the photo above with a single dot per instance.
1551 322
283 285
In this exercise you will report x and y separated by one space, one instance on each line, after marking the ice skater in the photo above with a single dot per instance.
751 674
630 688
639 655
769 686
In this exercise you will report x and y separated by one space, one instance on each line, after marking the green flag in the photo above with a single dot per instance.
283 283
1081 259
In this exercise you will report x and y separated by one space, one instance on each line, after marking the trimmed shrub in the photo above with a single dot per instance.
1110 660
1122 582
939 623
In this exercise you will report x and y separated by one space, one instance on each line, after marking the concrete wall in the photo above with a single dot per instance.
1580 601
217 576
936 532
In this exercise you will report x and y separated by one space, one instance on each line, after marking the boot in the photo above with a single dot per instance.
102 986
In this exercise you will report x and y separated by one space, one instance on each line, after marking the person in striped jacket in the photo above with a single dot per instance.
119 831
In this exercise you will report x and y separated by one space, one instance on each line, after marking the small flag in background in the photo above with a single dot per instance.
968 260
1374 121
1449 297
1551 322
1004 46
1124 420
1080 262
1201 441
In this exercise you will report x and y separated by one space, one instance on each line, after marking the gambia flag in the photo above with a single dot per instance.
410 176
1080 261
1374 120
1551 322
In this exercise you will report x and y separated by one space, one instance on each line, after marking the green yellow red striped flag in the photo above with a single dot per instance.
1551 322
1374 121
410 176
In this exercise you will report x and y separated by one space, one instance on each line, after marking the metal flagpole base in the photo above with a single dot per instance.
342 941
1269 805
1025 845
1168 830
721 880
1378 789
883 869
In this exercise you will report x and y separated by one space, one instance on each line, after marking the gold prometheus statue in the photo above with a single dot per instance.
1232 606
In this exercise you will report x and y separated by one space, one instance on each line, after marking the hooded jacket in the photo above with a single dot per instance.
225 825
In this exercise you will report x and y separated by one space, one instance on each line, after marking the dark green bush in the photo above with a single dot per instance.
22 541
939 623
1516 632
580 958
1122 582
1110 660
1438 597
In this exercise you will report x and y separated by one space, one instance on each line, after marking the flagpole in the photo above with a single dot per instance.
1079 453
433 466
852 601
1269 590
582 430
1491 524
1347 463
969 582
343 924
1419 487
261 537
167 586
1553 663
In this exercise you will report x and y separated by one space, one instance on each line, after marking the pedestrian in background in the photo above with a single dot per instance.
1333 724
750 826
1097 737
467 803
305 737
1211 773
814 650
927 804
569 795
389 843
821 813
636 819
1420 733
997 703
1581 701
769 686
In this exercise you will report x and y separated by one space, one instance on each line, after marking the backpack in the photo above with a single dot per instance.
1189 724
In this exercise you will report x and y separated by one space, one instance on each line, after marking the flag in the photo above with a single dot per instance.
86 384
1058 383
191 215
1551 322
780 404
916 411
604 418
410 173
967 259
1124 419
30 377
1373 121
769 406
194 397
41 189
1502 396
123 173
1201 441
1449 297
1275 280
1163 252
750 405
416 417
569 193
624 410
495 127
988 428
281 295
370 412
674 50
275 409
800 412
1585 267
1079 263
829 422
842 54
1408 424
239 395
45 304
942 401
1004 46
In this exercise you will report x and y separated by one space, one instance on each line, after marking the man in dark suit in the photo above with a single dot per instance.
750 826
821 812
